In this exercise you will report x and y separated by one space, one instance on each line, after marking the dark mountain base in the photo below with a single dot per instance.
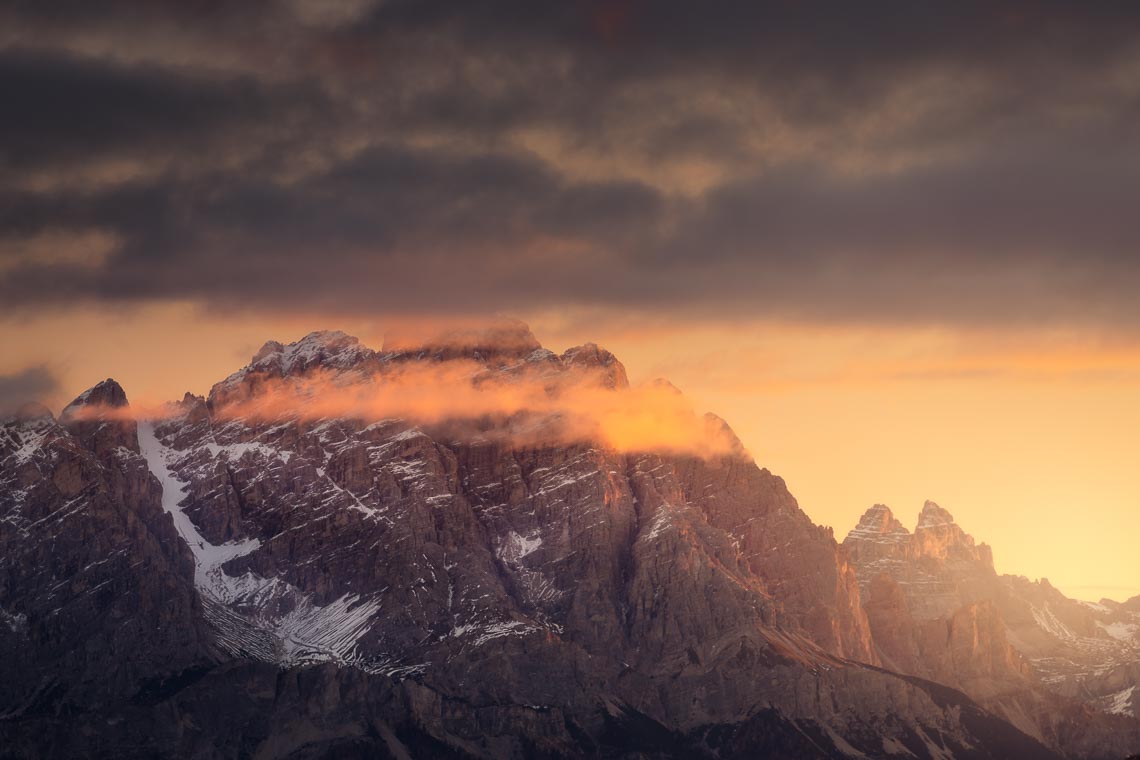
240 710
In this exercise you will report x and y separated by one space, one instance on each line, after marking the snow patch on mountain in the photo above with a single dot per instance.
1120 703
333 346
16 623
482 634
209 576
24 438
1096 607
1121 631
515 547
306 633
1051 624
235 451
311 633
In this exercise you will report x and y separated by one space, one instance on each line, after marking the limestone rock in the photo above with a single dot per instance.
211 585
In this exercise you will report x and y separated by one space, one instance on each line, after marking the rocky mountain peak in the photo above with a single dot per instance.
878 537
880 543
933 516
270 348
107 394
719 429
593 357
101 430
264 567
879 522
938 536
321 347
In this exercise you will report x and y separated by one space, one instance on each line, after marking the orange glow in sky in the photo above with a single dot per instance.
1026 436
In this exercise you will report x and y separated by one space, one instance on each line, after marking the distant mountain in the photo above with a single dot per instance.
284 569
1063 671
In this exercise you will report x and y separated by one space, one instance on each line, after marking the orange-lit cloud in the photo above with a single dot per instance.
530 405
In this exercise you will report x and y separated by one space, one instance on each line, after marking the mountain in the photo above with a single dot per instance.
1061 670
288 568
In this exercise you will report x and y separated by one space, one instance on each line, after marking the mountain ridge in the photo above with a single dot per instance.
481 594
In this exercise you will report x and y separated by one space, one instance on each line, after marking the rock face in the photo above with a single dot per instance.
939 564
96 595
300 586
937 609
92 418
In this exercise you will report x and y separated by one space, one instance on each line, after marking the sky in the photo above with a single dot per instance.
897 251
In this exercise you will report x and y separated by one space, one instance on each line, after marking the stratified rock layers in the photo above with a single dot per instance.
220 585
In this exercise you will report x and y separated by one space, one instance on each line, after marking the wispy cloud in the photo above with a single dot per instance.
530 405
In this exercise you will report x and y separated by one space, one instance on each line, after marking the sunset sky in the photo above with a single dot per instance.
899 254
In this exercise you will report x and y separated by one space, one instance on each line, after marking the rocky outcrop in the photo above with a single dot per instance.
96 590
592 358
93 418
938 537
799 562
968 649
939 565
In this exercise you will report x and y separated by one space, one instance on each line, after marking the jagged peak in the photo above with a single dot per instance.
107 393
593 356
270 348
324 347
101 430
878 522
589 351
540 355
719 429
933 516
332 349
317 346
192 408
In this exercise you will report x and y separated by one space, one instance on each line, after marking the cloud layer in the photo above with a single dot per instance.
531 404
969 163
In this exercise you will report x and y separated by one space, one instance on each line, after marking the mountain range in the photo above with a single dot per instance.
324 558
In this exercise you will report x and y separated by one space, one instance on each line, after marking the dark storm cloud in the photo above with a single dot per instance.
452 222
923 162
62 111
26 386
58 108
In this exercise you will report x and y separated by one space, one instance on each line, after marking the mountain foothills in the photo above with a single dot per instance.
266 573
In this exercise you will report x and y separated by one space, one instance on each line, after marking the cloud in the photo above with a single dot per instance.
30 385
66 110
531 404
968 164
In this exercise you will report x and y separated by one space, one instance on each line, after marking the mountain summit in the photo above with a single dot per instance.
324 577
